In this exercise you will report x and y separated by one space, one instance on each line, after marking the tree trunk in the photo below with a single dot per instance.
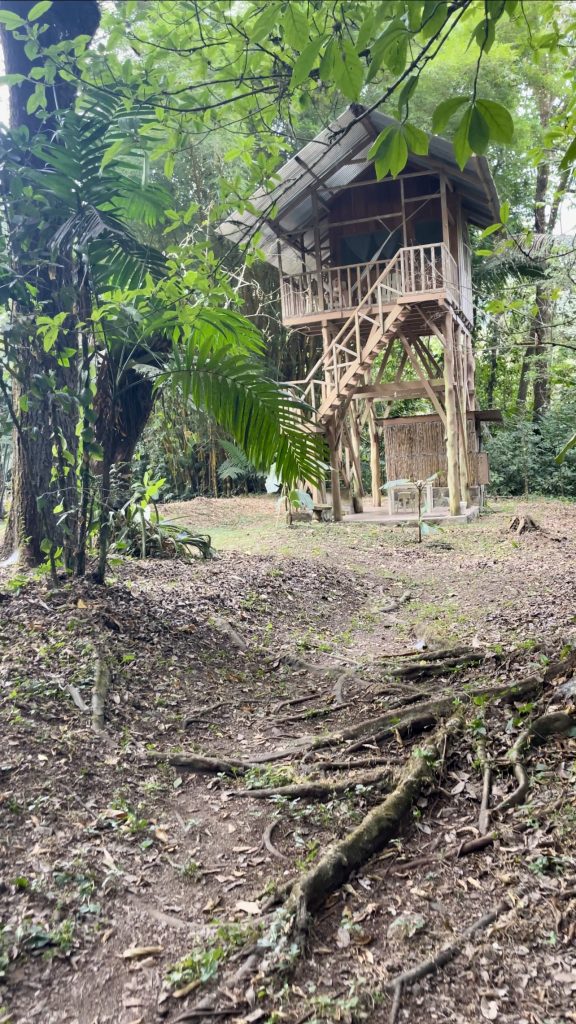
122 409
31 514
541 374
524 381
334 447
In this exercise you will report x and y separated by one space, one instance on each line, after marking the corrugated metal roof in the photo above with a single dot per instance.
335 158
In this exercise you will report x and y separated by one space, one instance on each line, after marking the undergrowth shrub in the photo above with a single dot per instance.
523 454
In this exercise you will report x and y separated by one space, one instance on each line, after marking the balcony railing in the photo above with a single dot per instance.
417 269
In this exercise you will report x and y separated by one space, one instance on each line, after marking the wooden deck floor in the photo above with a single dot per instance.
382 517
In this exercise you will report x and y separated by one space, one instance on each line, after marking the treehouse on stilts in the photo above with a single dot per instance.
375 279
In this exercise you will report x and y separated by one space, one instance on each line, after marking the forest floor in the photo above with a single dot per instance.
134 889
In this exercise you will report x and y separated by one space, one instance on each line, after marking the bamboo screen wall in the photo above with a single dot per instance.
415 449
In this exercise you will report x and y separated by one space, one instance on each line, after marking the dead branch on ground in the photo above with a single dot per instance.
444 956
101 685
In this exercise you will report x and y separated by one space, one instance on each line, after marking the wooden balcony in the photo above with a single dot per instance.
415 274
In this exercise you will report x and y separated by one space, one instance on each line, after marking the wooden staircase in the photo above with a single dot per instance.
383 330
348 356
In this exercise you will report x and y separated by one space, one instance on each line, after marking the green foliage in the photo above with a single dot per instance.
236 465
269 777
523 454
95 197
204 961
262 418
136 528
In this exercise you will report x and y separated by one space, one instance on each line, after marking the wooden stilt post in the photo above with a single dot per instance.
354 436
334 447
374 457
319 493
470 373
460 352
450 401
317 251
328 375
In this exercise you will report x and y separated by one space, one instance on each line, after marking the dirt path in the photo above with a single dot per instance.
105 853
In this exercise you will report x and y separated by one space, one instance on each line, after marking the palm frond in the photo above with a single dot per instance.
264 419
202 325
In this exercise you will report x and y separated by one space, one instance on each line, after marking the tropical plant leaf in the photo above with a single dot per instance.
567 448
262 417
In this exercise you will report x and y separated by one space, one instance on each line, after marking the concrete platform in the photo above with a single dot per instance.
382 517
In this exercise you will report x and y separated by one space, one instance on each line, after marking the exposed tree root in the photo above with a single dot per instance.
346 677
285 930
198 715
444 956
470 846
475 845
295 700
442 653
407 720
425 669
197 763
556 724
350 765
312 713
379 826
313 790
409 725
267 840
403 721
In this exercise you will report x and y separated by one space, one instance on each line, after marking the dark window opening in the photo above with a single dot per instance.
363 248
427 232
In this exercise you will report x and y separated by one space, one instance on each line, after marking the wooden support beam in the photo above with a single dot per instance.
470 372
384 362
354 447
444 208
318 249
375 472
333 438
464 465
401 390
403 204
430 393
319 181
450 401
428 358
